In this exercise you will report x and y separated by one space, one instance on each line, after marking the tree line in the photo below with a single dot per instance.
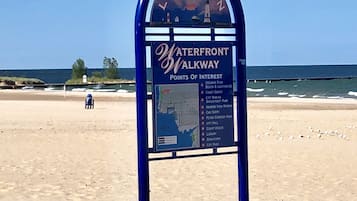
110 66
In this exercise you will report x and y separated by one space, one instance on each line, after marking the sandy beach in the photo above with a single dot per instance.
51 148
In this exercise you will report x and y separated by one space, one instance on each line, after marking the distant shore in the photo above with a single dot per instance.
12 84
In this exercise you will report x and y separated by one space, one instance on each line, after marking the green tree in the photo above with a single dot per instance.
111 67
97 74
78 69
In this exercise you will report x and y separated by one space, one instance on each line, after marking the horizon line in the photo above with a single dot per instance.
248 66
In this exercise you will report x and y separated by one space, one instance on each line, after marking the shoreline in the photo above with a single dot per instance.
60 93
11 94
257 102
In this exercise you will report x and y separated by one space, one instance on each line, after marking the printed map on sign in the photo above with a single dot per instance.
177 116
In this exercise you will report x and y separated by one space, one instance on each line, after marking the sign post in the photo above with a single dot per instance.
192 48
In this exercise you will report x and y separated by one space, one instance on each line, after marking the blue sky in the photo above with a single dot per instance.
54 33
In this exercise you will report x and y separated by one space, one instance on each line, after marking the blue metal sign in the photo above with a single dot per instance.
192 95
192 81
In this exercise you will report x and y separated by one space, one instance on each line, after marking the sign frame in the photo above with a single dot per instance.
142 98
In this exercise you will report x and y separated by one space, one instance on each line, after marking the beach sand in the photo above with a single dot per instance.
51 148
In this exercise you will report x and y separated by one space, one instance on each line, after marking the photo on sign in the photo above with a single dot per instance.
177 116
189 12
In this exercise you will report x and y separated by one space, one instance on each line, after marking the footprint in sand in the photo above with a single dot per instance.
7 187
